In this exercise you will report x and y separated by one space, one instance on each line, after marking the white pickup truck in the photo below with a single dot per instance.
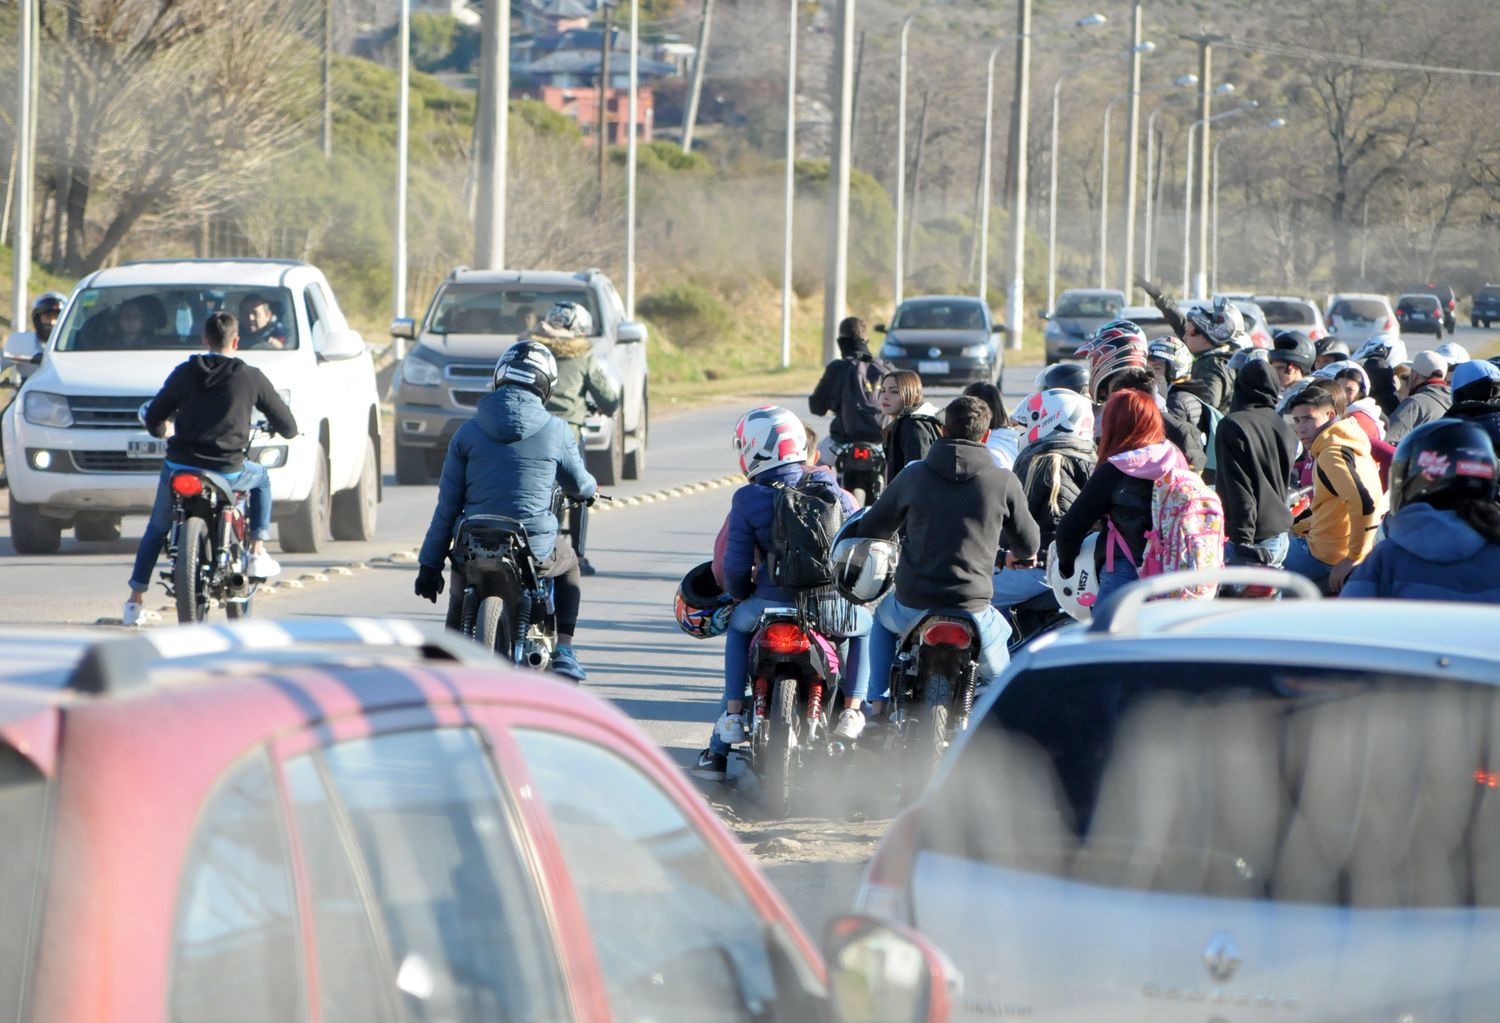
76 455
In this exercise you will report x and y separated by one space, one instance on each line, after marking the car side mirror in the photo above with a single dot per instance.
880 328
404 326
1043 314
999 328
631 333
23 347
342 344
881 972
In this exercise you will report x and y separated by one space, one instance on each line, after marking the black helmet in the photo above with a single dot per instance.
1296 348
1064 376
1442 462
530 364
49 302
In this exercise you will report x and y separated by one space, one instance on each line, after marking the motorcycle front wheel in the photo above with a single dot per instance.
187 572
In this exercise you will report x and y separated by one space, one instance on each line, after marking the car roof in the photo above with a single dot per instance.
941 298
1094 291
1360 294
1142 314
543 278
261 273
1416 294
1374 635
1258 299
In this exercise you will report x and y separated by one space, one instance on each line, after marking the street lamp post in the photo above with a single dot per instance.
836 283
403 135
900 268
1151 185
791 185
25 116
1182 82
633 112
1187 201
1270 125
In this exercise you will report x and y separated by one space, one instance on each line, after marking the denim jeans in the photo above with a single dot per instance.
893 619
253 477
1275 546
1018 585
1112 581
1300 559
856 668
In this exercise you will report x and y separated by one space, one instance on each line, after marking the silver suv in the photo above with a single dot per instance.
474 317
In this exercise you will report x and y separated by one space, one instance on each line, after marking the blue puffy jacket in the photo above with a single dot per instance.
1428 554
750 514
506 461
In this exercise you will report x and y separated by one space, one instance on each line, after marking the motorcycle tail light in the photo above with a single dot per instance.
784 638
947 634
862 454
187 484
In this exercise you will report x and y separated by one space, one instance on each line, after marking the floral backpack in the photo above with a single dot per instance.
1187 531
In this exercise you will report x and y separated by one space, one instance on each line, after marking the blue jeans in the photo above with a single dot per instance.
1113 581
253 477
893 619
1300 559
856 669
1275 546
1018 585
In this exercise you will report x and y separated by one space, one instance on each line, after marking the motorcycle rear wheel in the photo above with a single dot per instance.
492 630
187 572
926 738
781 749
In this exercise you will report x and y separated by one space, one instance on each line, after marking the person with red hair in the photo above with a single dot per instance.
1133 454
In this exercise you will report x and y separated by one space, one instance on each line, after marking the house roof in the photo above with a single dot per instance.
586 62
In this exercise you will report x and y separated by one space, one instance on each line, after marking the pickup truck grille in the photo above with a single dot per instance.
114 461
106 412
467 399
468 372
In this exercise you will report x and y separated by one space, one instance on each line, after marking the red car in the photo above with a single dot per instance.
369 821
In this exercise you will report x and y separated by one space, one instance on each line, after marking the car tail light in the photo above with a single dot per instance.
886 889
947 634
784 638
187 484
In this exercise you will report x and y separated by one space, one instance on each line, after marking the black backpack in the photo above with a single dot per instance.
804 520
859 416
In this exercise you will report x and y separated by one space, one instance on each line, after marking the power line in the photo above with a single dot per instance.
1325 56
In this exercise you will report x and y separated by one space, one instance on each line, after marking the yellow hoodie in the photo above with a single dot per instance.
1347 503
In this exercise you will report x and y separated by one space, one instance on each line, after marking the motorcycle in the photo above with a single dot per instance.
860 467
208 549
934 680
793 686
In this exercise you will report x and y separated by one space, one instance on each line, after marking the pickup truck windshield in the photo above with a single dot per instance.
505 309
171 317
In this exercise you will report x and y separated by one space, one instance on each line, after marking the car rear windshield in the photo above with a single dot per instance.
126 319
1285 314
1235 780
1104 307
1425 302
23 825
1359 308
939 316
507 309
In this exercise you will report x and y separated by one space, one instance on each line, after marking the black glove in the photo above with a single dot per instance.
429 583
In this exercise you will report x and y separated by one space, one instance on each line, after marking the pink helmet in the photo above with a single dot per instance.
1117 345
769 436
1046 412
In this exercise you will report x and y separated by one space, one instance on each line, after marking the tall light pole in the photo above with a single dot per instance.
1205 41
1021 119
1023 38
1271 125
791 185
403 132
25 116
836 285
1182 82
1187 202
900 269
633 112
1132 151
1150 230
493 131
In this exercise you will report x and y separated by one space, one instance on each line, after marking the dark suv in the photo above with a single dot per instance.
1486 308
1447 299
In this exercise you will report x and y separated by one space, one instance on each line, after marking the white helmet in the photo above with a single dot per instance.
769 436
571 318
1452 353
1222 323
864 567
1076 593
1393 348
1046 412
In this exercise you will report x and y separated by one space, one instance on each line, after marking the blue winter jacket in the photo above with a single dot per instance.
506 461
1428 554
750 514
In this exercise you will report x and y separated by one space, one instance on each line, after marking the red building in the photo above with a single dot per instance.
580 103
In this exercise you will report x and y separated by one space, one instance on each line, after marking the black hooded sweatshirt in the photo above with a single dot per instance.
212 397
847 390
958 508
1255 450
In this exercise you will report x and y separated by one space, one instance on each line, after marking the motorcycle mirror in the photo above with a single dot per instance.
140 413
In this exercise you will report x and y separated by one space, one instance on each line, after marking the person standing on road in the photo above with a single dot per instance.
584 384
212 398
912 425
847 390
1255 450
1443 535
1428 396
508 460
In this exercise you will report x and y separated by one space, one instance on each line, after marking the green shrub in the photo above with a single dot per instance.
689 314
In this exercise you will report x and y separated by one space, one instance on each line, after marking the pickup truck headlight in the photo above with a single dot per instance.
976 352
891 350
419 372
42 408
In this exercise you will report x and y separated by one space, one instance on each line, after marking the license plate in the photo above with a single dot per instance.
938 366
145 448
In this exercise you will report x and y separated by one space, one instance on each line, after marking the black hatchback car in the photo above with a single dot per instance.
947 339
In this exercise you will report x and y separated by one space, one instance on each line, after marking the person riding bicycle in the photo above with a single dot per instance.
583 380
772 446
508 460
956 508
848 388
212 397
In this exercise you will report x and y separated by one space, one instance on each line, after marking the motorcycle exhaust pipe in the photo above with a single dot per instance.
536 658
237 582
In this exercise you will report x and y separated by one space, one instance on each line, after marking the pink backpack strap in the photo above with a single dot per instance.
1114 537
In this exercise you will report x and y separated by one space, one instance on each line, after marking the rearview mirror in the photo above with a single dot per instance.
631 333
880 972
23 347
404 326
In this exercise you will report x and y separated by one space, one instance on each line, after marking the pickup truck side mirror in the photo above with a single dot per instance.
631 333
880 328
23 347
1043 314
880 972
342 344
404 326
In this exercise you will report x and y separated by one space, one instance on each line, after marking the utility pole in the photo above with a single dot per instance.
836 285
790 198
859 71
1016 300
1205 41
1132 147
916 168
403 145
900 268
20 318
601 121
695 91
494 132
630 156
327 79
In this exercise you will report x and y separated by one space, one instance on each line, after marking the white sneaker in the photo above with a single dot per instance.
731 728
851 724
132 613
263 566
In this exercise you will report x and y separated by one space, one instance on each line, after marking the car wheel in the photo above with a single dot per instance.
31 532
306 530
608 466
354 509
411 466
1474 322
635 459
97 528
